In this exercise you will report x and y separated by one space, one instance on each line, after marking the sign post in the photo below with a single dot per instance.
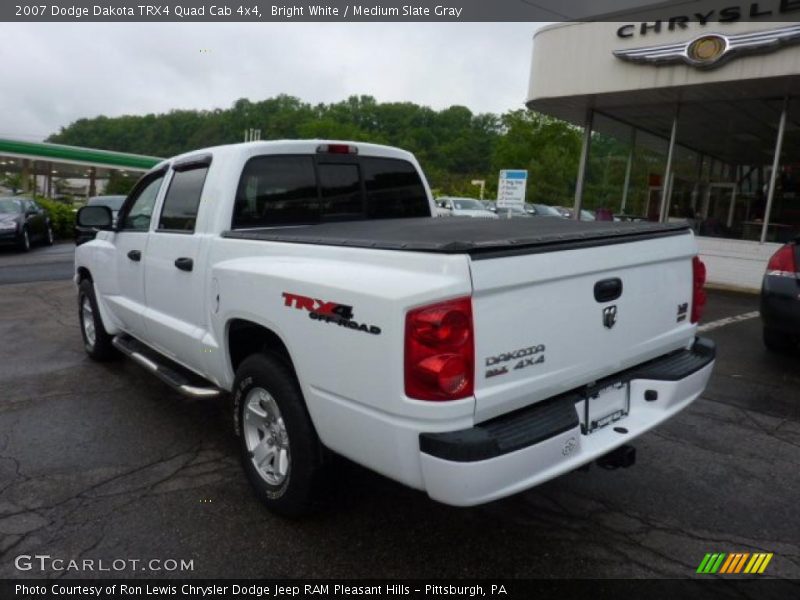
511 188
482 184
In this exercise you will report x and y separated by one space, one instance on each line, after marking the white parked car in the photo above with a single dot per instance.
463 207
306 282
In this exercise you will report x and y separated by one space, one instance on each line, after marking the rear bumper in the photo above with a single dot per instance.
528 447
780 304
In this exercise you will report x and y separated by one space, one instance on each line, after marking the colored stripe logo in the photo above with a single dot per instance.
734 563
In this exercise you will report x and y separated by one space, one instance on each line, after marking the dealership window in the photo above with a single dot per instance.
720 167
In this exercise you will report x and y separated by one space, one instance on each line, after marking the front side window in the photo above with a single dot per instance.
141 211
182 200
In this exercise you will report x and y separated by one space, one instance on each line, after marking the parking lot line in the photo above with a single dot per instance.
728 320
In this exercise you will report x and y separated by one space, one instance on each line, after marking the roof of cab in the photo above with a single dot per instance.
247 149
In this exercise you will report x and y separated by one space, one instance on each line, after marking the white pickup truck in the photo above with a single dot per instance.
469 358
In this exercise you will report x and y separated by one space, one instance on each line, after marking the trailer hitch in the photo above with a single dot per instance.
621 458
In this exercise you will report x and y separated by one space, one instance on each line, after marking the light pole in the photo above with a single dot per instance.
482 183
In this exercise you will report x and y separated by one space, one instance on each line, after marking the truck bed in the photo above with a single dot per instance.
480 238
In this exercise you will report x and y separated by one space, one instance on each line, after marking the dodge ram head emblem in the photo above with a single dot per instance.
610 316
712 50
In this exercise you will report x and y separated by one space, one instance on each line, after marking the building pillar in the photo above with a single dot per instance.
729 222
666 187
25 175
697 183
584 159
92 182
776 163
628 169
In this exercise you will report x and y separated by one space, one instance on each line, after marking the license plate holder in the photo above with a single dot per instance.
606 405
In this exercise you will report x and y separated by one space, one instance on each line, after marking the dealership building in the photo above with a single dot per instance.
684 120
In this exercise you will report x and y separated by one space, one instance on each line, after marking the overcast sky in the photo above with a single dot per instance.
55 73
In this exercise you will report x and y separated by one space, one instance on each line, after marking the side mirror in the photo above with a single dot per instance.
96 217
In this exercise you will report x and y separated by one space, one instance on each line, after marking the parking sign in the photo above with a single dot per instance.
511 188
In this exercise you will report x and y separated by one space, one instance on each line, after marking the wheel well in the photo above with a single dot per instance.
246 338
83 273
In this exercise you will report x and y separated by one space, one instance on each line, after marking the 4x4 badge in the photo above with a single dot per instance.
610 316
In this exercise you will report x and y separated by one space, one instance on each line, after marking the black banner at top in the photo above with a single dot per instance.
408 589
646 11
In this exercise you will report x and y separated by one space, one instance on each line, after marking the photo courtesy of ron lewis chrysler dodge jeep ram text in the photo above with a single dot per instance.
308 283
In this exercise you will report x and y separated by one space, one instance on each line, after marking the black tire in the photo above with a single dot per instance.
296 494
24 242
49 238
777 341
100 348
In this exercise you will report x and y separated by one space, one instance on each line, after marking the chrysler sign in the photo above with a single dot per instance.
711 50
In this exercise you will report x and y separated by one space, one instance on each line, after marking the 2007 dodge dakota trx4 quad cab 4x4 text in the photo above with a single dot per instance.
470 358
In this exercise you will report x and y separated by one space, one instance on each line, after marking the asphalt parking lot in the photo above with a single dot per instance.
105 462
42 263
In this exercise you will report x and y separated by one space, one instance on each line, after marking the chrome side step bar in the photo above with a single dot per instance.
175 376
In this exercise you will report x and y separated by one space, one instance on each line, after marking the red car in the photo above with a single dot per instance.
780 299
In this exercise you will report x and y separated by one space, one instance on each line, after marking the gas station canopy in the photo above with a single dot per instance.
45 159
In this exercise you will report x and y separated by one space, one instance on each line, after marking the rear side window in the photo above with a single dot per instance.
293 190
182 200
394 189
276 190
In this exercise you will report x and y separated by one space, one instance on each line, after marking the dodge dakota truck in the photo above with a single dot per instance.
307 283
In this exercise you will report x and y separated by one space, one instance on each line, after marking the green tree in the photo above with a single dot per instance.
453 145
119 184
549 149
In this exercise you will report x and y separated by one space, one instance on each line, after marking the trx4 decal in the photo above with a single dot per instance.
328 312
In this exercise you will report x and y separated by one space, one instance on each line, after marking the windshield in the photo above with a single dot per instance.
467 204
10 206
112 202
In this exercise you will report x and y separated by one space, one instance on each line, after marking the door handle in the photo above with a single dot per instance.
184 264
135 255
608 289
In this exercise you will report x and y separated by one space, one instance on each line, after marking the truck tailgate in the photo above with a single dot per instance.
548 322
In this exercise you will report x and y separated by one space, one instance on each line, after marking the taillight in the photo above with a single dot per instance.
337 149
783 263
698 294
439 353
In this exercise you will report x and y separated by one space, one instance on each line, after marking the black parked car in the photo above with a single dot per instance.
22 222
780 299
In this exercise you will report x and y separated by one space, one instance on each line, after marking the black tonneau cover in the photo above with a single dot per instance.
481 238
